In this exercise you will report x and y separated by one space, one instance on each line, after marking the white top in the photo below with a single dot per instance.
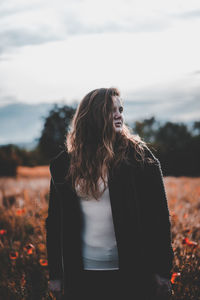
99 249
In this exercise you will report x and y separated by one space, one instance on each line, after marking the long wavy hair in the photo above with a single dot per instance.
94 145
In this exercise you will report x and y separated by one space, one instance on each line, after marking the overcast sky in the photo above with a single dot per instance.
60 50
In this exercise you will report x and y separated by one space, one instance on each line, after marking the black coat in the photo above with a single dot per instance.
140 215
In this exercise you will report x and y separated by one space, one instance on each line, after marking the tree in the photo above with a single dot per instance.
196 127
173 135
173 143
9 160
55 129
146 129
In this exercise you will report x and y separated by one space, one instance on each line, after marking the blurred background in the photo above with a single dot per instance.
52 53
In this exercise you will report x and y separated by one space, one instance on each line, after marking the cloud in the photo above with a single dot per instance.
36 22
22 37
195 73
23 24
63 25
137 42
7 99
175 101
151 25
190 14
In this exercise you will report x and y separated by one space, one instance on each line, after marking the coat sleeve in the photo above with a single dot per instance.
163 252
53 234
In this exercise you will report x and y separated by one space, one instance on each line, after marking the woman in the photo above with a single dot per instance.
108 227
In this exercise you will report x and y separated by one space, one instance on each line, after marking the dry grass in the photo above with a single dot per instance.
39 171
23 209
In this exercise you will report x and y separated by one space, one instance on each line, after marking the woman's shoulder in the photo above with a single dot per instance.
59 163
149 158
60 157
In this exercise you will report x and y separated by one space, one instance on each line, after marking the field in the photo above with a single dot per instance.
23 210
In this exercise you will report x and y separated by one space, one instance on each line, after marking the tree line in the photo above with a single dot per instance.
175 144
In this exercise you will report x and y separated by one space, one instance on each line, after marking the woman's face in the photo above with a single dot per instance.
118 117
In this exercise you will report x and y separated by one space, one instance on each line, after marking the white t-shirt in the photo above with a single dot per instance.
99 249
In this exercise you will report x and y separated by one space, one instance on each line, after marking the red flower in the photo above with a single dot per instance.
29 248
186 241
43 262
174 275
3 231
20 211
13 255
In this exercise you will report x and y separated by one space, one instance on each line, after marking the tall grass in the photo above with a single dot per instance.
23 257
